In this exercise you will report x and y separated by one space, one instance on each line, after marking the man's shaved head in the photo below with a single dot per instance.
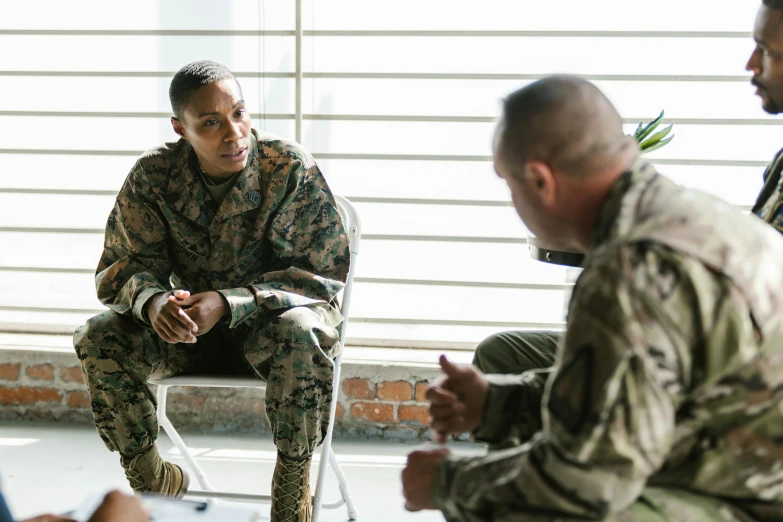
560 146
564 121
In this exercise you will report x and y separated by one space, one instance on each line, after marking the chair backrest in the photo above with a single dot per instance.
353 226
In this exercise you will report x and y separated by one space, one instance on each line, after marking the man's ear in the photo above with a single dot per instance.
178 128
542 182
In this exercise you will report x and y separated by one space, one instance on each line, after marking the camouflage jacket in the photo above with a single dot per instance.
670 372
769 205
277 241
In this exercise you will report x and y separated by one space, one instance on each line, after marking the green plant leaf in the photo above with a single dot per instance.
655 138
658 145
649 128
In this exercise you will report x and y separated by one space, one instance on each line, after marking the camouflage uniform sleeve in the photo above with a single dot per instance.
310 247
520 394
135 263
608 409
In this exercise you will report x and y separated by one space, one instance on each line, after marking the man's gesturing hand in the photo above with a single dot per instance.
168 318
418 478
456 400
204 309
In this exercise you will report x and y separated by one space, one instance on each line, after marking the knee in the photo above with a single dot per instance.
298 320
304 325
516 352
488 353
104 329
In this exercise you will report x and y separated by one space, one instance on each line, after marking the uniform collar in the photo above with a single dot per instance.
187 195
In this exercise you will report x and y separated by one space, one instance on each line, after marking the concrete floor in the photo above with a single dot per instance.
52 468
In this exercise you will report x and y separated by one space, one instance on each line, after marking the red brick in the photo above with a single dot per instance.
185 402
28 395
9 372
395 391
42 372
359 389
373 412
421 391
78 399
72 374
417 414
339 413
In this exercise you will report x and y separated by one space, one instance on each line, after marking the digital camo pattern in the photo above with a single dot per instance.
276 249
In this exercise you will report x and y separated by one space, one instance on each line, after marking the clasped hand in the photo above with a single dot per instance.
178 317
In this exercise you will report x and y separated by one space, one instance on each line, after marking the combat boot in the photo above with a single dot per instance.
148 473
291 500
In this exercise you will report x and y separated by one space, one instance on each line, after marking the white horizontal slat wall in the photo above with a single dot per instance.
397 104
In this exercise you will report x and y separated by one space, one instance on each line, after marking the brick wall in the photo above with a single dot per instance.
376 401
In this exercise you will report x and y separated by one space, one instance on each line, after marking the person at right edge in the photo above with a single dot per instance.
664 402
515 352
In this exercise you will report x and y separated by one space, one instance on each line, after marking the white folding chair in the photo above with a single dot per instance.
328 458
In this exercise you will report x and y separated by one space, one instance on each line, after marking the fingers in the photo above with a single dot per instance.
439 437
181 294
446 412
410 507
176 318
178 331
449 368
445 426
183 298
165 333
172 327
406 484
185 320
440 397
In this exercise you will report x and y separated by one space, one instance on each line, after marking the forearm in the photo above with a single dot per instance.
279 291
513 406
129 295
531 479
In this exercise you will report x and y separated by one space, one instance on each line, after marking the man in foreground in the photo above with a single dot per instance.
663 403
224 253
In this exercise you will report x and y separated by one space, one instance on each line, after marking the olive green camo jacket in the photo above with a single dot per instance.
670 373
277 240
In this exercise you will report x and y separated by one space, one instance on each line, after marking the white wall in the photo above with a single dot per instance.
93 76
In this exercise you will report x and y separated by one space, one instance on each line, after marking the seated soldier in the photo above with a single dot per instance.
664 404
224 252
515 352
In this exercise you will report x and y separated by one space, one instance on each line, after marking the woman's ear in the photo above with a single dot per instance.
178 128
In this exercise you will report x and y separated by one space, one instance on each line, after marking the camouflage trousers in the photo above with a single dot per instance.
291 350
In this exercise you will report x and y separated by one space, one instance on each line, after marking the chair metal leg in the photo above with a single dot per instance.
165 423
328 458
338 472
326 447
